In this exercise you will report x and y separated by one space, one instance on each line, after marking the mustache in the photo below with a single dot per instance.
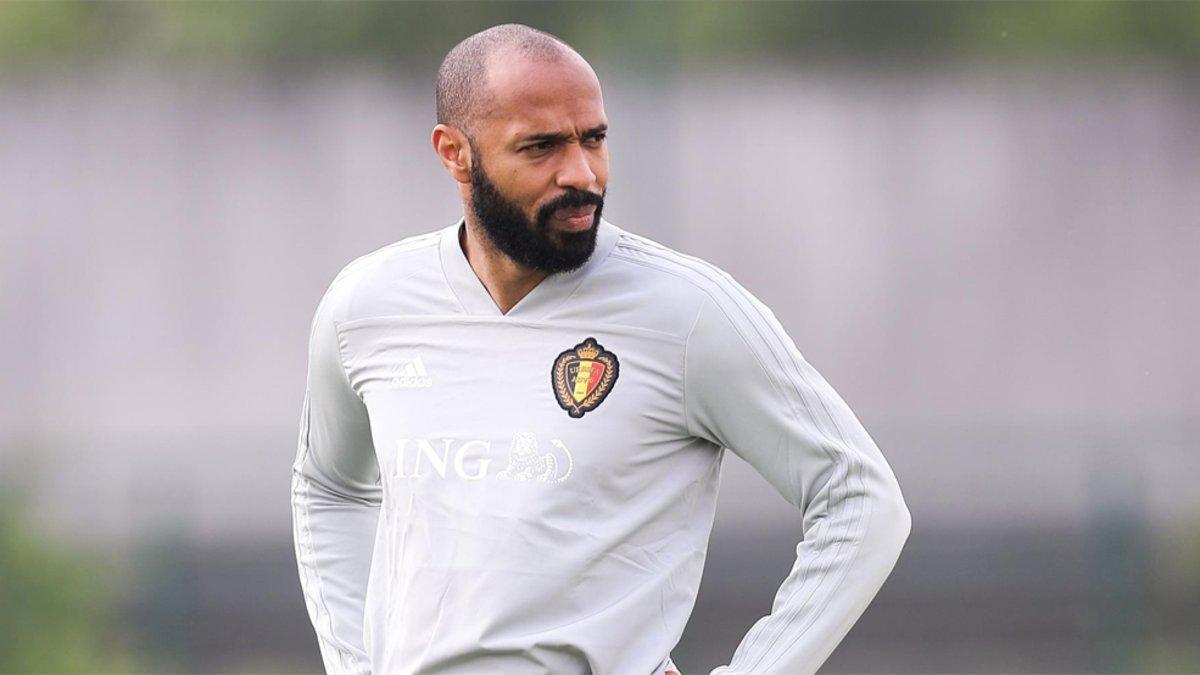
569 199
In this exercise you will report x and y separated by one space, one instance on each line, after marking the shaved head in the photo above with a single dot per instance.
463 95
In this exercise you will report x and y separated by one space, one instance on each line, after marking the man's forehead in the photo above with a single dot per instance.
548 122
535 95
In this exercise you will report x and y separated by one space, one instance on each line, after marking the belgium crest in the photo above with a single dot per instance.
582 376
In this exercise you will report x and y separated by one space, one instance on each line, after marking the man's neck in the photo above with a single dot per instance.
506 280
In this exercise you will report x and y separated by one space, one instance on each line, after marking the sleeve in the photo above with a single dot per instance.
335 502
748 389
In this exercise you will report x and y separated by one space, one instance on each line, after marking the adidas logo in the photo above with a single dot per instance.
412 374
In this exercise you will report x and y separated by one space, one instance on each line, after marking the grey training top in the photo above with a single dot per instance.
533 492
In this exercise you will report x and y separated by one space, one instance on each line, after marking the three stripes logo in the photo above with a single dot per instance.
411 373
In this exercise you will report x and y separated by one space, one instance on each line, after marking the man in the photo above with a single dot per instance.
514 426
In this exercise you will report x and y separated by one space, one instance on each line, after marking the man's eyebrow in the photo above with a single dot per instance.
558 137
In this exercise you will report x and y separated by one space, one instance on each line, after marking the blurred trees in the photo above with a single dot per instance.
56 604
293 33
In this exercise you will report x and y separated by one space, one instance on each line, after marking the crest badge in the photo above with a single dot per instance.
582 376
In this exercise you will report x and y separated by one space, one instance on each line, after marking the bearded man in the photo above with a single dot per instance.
514 425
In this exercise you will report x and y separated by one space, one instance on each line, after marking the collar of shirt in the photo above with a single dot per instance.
548 294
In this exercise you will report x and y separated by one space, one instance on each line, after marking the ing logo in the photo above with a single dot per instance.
472 459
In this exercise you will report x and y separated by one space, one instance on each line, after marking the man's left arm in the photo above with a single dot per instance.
749 389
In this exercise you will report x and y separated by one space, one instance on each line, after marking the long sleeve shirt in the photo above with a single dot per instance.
533 492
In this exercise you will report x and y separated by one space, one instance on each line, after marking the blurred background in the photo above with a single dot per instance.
980 222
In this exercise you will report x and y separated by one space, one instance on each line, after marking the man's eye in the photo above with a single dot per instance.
597 138
544 145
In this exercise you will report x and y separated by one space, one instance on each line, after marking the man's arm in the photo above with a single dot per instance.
749 389
335 501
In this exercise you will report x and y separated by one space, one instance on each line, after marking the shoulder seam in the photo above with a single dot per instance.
678 268
707 270
413 243
665 268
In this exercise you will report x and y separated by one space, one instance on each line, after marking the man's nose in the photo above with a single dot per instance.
576 170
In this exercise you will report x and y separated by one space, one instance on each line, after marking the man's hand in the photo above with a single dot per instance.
672 672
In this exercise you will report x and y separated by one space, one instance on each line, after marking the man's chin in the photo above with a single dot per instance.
574 246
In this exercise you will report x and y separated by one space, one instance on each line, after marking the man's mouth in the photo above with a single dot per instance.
575 217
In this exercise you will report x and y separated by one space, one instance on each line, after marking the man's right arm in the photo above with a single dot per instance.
335 500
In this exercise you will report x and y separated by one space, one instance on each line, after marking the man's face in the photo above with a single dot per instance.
536 244
543 144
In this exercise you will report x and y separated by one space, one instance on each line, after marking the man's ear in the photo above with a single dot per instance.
452 148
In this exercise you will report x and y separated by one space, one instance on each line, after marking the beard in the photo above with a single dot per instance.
533 244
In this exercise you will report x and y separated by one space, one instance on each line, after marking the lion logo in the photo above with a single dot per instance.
527 463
